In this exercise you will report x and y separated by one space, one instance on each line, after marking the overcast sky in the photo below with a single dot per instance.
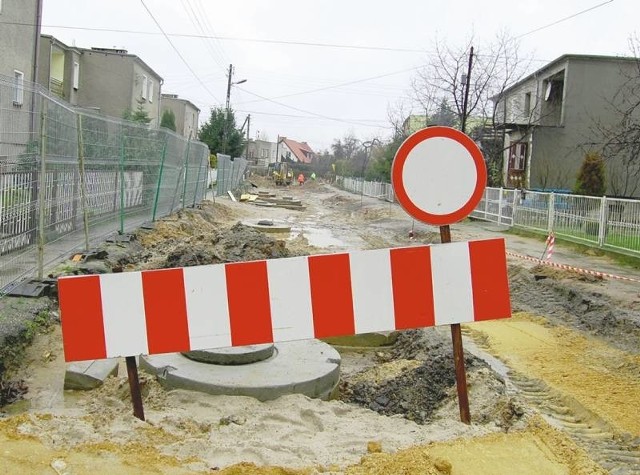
270 45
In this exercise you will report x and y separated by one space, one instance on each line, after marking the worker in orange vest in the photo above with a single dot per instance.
301 179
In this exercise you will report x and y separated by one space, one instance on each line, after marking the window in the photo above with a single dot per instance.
76 75
518 156
18 87
150 91
527 104
143 91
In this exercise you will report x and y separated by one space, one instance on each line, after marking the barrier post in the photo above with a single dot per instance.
458 352
134 387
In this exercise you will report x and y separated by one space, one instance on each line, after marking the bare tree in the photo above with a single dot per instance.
495 66
620 141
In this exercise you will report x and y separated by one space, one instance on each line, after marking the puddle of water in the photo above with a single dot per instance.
319 237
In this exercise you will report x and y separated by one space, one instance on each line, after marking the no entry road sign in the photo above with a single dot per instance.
438 175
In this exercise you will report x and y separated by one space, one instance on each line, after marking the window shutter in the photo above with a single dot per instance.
143 92
18 91
76 75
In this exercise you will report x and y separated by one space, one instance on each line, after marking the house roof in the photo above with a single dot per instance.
57 42
122 53
303 152
174 97
563 59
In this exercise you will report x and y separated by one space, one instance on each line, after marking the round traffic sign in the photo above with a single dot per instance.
438 175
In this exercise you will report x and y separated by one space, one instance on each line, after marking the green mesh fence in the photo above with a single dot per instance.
70 178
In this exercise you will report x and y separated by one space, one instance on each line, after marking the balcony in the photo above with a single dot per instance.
56 87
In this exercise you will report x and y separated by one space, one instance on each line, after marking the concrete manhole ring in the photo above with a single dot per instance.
235 355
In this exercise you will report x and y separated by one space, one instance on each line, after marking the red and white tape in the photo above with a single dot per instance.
174 310
572 268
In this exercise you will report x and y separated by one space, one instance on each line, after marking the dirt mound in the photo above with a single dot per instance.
414 378
543 271
582 306
235 244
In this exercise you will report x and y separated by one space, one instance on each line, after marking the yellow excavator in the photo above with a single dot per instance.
281 173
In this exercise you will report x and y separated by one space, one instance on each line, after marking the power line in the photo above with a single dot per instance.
229 38
195 21
304 111
564 19
178 52
348 83
294 116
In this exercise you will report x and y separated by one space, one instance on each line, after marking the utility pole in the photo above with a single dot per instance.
226 111
246 153
466 93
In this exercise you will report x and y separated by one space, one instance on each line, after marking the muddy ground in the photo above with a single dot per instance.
562 376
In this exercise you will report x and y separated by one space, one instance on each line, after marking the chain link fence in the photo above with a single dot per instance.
69 178
230 173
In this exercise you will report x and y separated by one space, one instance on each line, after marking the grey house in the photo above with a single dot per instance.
19 34
19 38
186 113
113 81
261 152
550 120
59 69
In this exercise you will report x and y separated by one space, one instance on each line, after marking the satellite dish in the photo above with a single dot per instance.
547 93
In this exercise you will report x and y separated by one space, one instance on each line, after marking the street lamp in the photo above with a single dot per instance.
230 83
367 154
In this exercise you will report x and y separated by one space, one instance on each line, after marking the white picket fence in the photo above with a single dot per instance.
610 223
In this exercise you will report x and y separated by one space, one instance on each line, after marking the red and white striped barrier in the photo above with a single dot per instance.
551 240
173 310
572 268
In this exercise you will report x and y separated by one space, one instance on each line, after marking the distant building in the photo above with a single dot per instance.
261 152
413 123
187 114
295 151
113 81
59 68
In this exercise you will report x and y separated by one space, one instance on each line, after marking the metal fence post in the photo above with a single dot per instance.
500 205
195 193
83 184
186 172
602 225
122 150
155 201
43 186
551 211
486 202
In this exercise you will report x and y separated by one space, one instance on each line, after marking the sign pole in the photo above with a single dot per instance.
458 352
134 387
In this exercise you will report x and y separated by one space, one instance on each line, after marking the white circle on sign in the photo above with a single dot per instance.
439 175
